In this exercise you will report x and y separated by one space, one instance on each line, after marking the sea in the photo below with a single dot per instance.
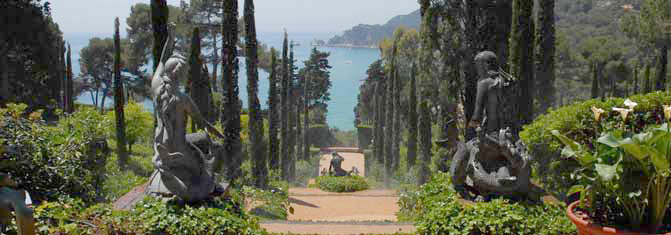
348 71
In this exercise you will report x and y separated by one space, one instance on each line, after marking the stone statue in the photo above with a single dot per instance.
12 198
495 162
336 165
184 163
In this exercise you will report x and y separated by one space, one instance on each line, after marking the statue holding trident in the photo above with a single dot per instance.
184 163
496 162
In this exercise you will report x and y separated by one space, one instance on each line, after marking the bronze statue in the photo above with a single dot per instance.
495 162
184 163
336 165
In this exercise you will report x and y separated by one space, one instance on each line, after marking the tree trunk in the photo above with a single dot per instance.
119 99
159 22
545 57
306 114
595 81
255 120
412 119
521 58
4 79
230 110
273 113
648 79
662 62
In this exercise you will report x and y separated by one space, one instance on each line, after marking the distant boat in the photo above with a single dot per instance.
348 62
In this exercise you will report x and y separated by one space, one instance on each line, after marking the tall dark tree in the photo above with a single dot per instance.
595 82
200 88
425 143
521 57
230 117
389 130
256 147
298 109
273 114
648 79
284 92
159 23
306 115
69 104
412 119
291 94
545 41
119 98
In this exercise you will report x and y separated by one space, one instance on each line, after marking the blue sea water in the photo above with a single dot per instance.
349 67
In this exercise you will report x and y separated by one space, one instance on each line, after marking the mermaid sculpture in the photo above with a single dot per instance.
184 163
495 163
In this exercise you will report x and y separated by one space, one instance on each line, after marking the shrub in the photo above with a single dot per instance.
138 124
66 159
151 216
576 122
341 183
436 210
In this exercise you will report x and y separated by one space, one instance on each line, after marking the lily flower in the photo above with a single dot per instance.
630 104
597 113
667 112
623 112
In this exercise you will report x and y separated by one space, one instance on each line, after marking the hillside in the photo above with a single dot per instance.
365 35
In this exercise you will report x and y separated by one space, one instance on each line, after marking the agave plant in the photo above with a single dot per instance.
632 168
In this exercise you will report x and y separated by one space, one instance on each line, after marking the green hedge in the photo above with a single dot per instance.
436 210
151 216
341 183
577 122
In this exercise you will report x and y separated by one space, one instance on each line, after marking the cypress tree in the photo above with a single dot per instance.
545 41
199 82
159 23
70 107
291 97
306 115
595 82
662 62
521 57
284 126
255 120
648 80
119 98
389 128
412 119
230 115
273 114
424 142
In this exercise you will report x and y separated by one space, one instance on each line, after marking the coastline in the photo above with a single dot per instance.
351 46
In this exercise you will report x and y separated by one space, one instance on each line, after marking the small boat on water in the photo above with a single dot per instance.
348 62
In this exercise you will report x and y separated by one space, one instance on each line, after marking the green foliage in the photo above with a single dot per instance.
57 160
151 216
436 210
341 183
577 123
138 122
624 171
270 203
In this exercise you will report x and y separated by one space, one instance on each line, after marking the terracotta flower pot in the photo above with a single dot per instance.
586 228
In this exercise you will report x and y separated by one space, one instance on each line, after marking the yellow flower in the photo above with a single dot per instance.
623 112
597 113
630 104
667 112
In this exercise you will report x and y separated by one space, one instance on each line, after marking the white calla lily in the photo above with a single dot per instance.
630 104
623 112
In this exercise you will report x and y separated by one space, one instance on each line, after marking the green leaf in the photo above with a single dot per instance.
606 172
566 141
659 160
633 148
610 140
576 189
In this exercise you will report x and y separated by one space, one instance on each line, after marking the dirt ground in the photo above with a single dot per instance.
341 213
351 159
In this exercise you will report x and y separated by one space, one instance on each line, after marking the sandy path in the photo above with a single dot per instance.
319 212
351 159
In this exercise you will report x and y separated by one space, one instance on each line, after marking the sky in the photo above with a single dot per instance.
315 16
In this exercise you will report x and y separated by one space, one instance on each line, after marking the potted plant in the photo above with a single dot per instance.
624 177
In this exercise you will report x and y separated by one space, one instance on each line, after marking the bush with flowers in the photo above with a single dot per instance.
577 122
624 178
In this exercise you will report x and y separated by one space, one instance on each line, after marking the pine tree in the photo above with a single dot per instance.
119 99
70 107
284 127
521 57
273 114
545 41
255 120
230 117
412 119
